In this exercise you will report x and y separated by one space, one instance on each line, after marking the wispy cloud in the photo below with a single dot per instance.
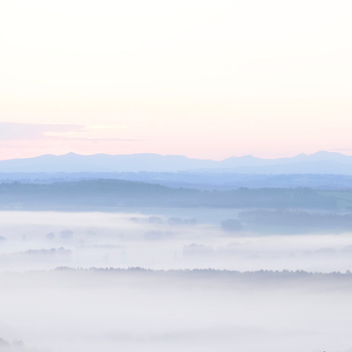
83 139
24 131
10 131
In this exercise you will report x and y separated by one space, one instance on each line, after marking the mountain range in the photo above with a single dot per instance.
318 163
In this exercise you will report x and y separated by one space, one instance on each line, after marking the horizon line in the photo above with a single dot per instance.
178 155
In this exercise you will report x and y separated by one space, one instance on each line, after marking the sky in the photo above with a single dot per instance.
205 79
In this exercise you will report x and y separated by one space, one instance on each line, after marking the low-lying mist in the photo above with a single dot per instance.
134 310
93 302
46 240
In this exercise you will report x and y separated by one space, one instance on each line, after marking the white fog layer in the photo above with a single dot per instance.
46 240
169 281
93 311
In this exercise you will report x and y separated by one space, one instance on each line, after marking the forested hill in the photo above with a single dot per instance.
110 194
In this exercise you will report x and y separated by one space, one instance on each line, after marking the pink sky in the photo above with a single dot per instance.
206 79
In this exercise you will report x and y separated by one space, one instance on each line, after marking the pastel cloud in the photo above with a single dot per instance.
25 131
10 131
18 140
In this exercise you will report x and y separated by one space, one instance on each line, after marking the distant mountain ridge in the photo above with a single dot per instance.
320 163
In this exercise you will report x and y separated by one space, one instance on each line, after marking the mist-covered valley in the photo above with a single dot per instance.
46 240
106 310
170 279
104 265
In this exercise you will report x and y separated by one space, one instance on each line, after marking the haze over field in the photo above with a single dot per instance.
47 240
205 309
103 310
